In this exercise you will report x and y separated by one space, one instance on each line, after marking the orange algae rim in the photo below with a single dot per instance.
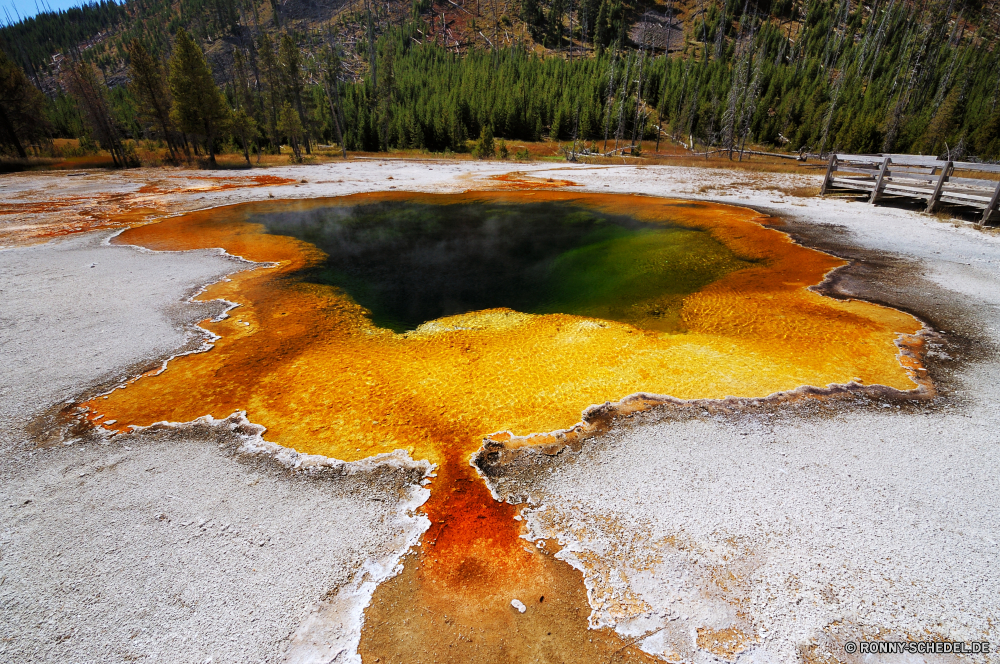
761 316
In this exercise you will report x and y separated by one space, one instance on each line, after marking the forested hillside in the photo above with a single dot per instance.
199 76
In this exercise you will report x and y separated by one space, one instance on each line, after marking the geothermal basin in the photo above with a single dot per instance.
506 338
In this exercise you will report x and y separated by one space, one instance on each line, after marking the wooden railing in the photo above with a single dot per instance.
911 176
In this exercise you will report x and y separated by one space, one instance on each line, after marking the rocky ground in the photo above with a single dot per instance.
759 532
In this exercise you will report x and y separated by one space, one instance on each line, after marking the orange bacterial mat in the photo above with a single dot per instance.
305 361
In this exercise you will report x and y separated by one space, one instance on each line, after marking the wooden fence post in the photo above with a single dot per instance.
878 183
992 205
945 172
829 172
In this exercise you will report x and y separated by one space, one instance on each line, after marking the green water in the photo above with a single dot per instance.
409 263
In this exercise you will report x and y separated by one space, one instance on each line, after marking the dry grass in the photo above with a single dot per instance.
944 216
797 191
976 175
802 191
669 154
755 165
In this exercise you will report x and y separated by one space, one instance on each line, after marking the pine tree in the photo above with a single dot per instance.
244 127
148 86
941 126
90 94
290 127
272 80
555 24
198 104
485 149
291 70
831 73
385 90
245 94
533 15
610 23
332 66
21 118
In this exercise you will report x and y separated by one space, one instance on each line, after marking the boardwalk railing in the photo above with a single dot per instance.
916 177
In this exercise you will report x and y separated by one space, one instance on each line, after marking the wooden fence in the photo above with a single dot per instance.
911 176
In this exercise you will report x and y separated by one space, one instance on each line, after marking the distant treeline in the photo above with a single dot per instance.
33 41
816 75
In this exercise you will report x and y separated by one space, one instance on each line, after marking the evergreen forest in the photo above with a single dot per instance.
197 77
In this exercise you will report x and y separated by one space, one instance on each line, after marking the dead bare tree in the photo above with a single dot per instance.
370 33
639 82
721 30
903 99
737 90
838 79
610 95
626 84
879 41
830 55
89 92
330 78
670 23
796 51
957 55
576 129
751 96
571 7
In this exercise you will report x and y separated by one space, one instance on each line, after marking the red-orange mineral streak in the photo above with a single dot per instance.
215 183
68 215
305 361
516 180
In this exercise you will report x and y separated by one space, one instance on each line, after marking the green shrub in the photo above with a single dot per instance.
484 147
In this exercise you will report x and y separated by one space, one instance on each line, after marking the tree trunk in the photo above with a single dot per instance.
305 123
336 119
8 128
371 43
246 150
210 145
638 94
166 137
